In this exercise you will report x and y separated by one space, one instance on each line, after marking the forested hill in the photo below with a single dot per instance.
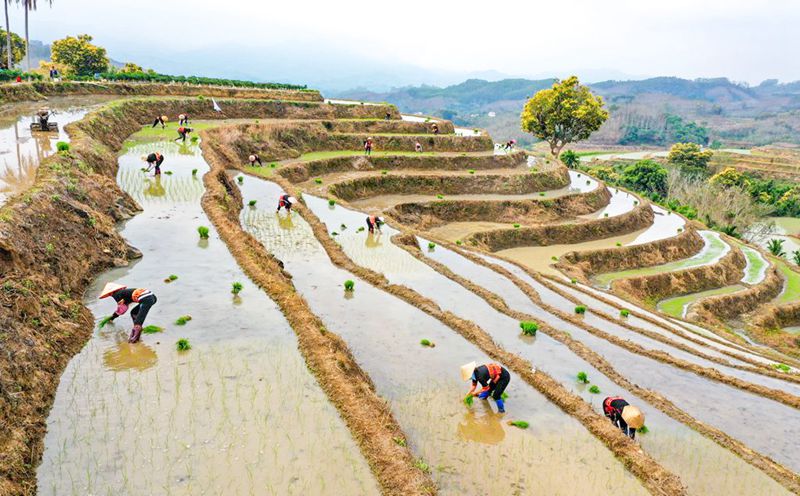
641 111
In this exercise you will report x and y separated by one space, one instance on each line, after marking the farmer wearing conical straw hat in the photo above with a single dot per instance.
494 379
124 297
254 158
625 416
161 119
286 202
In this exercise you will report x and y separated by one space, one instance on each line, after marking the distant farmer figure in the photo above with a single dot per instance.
374 223
368 146
628 418
161 119
435 128
155 159
418 147
492 377
286 202
254 159
388 116
509 145
183 120
182 132
124 297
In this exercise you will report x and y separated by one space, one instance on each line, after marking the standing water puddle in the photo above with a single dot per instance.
704 466
471 451
239 413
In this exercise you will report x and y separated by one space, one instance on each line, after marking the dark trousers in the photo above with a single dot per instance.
623 426
139 313
496 389
183 121
181 136
157 122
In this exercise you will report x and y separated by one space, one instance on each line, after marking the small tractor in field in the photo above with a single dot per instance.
41 122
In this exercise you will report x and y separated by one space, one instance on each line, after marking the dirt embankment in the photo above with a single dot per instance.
533 211
718 308
449 184
41 90
388 127
655 478
781 474
583 264
300 172
767 324
652 288
348 387
639 217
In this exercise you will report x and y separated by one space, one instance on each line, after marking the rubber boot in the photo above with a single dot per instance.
501 407
484 395
135 334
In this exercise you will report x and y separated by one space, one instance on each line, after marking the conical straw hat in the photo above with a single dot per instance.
292 200
466 370
110 288
633 417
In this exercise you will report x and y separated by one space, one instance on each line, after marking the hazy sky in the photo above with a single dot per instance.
745 41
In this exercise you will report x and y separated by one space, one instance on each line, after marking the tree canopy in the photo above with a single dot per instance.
647 176
17 49
689 157
566 113
79 55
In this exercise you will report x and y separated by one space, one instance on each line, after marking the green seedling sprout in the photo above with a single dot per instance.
504 396
588 182
361 229
343 227
516 226
579 174
624 312
240 179
273 165
619 244
334 233
519 423
252 203
203 232
680 229
183 319
594 389
62 146
169 173
236 288
635 202
183 345
194 139
441 197
573 281
399 441
428 343
431 245
103 322
152 329
422 465
194 172
605 214
331 202
458 242
782 367
384 172
529 328
583 377
471 171
318 180
554 258
170 278
349 285
542 193
580 309
469 400
643 430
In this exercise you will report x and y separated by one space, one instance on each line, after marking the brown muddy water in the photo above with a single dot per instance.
740 414
703 467
239 413
21 150
469 450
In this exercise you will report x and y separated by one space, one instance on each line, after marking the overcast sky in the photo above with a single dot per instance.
745 41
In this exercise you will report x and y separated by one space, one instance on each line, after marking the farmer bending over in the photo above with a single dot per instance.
255 159
183 120
155 159
374 223
161 119
286 202
492 377
628 418
182 132
124 297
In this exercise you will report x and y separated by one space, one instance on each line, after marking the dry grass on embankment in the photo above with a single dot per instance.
639 217
584 264
388 127
303 171
715 309
347 386
446 183
778 472
767 324
653 288
654 477
42 89
427 215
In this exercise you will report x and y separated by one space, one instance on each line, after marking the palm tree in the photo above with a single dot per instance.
775 246
8 35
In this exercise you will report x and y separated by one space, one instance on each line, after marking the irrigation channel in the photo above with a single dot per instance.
239 413
469 450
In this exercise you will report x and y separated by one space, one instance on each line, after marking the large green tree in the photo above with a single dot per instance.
646 175
689 157
17 49
79 55
566 113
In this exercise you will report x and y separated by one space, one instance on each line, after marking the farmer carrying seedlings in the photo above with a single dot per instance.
286 201
183 119
182 132
625 416
368 146
124 297
492 377
161 119
155 159
374 223
255 159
